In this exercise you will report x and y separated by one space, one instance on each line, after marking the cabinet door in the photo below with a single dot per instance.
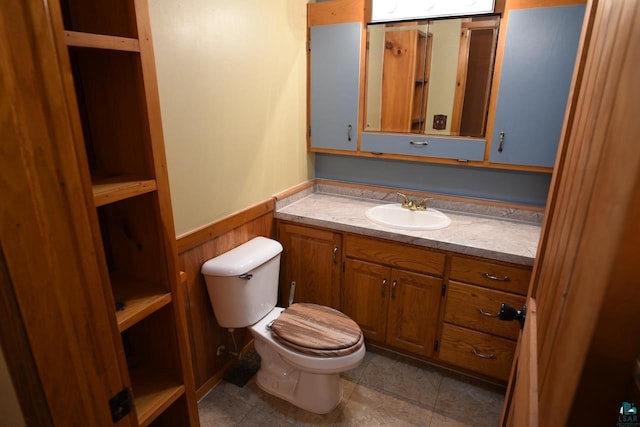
537 67
365 296
335 85
311 258
413 312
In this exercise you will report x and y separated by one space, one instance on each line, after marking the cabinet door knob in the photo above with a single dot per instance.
349 132
335 255
384 282
501 146
393 289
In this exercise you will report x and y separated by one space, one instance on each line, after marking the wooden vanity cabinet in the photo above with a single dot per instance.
434 305
393 292
312 259
472 336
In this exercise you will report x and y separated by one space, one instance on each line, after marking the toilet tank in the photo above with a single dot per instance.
243 282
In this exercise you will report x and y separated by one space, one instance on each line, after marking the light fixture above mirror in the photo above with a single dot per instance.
399 10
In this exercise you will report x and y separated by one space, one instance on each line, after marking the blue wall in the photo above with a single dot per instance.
527 188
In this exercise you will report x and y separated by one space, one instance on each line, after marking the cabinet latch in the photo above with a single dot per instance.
120 405
509 313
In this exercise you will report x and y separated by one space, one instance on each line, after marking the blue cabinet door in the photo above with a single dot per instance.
335 79
539 57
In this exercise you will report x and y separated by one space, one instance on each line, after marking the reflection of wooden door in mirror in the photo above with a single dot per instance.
405 74
473 82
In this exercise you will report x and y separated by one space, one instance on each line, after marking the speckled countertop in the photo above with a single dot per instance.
493 232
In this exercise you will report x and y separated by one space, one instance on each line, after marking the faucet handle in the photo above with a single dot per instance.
422 205
405 200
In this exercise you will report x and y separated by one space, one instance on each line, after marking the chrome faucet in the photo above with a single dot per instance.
411 204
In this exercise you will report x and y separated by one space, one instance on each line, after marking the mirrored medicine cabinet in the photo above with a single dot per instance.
430 77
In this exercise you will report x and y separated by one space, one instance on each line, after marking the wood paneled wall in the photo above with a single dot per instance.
205 335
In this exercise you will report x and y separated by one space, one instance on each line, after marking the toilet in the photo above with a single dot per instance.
303 347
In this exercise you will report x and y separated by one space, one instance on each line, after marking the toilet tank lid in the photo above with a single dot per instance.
243 258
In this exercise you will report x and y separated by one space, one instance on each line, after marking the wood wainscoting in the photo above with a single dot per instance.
205 336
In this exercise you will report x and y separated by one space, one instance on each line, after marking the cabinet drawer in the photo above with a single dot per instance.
503 277
458 148
477 351
395 255
465 303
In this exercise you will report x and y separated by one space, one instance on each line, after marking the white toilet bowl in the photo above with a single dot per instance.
309 382
303 350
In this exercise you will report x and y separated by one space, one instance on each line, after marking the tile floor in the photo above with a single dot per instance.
385 390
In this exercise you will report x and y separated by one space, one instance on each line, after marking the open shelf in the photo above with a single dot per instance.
132 238
154 366
113 17
140 299
110 94
115 188
153 393
101 41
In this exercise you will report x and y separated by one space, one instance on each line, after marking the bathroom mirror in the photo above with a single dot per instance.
430 77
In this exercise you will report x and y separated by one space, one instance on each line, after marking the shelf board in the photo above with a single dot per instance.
153 393
140 300
115 188
101 41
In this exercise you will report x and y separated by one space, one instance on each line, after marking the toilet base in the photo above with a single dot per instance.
317 393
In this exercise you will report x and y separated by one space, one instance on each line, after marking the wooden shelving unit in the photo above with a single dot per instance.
113 69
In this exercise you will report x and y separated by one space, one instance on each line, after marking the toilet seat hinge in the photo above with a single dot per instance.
269 324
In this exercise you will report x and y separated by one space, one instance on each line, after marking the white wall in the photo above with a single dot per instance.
232 81
444 69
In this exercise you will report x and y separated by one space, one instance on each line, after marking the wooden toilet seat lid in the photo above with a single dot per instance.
318 330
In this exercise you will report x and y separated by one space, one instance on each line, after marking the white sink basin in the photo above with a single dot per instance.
395 216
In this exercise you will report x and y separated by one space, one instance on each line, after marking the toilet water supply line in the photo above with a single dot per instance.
292 291
222 349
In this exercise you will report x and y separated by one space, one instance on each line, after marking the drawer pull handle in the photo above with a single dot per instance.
486 313
384 282
335 255
419 143
482 355
499 279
